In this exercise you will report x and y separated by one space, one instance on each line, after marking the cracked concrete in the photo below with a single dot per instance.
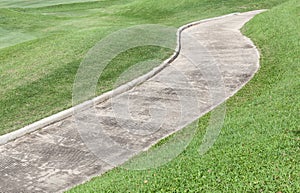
74 149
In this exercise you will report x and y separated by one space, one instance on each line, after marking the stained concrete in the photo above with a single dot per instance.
215 61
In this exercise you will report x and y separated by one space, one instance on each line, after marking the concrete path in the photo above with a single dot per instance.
215 61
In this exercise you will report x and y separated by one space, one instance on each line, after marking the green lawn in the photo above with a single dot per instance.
36 3
42 46
258 149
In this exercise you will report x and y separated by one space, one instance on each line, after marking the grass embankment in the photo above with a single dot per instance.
258 149
42 46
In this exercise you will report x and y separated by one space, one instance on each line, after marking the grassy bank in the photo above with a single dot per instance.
258 149
41 46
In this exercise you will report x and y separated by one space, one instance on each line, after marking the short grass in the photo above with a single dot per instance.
258 149
41 46
36 3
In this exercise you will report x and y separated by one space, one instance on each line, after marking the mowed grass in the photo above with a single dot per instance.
42 46
258 149
36 3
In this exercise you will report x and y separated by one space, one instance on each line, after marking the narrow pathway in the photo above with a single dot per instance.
215 61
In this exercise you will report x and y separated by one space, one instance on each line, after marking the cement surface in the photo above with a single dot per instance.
215 61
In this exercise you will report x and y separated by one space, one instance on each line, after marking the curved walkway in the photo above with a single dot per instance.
215 61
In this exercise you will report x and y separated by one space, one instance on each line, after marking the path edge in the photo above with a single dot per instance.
117 91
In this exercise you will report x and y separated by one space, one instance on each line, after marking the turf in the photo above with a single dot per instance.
36 3
41 47
258 149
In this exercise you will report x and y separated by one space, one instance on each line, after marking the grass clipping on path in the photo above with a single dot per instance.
259 146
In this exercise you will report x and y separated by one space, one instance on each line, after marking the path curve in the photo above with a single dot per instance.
55 157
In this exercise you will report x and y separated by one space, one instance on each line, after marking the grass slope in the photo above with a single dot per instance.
258 149
42 47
